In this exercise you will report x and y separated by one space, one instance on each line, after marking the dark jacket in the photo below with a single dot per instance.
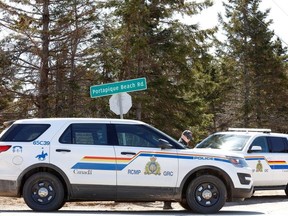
183 142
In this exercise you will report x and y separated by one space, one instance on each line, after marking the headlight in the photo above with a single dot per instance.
237 162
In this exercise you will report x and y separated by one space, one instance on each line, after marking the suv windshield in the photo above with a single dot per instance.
231 142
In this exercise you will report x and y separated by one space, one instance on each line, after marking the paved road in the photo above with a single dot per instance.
263 203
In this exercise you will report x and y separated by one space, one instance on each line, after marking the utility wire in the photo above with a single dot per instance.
280 8
264 24
285 14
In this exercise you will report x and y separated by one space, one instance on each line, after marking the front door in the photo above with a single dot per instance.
144 169
270 164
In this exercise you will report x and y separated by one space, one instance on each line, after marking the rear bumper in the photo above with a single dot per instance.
8 188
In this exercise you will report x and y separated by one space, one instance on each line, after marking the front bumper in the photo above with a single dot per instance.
239 194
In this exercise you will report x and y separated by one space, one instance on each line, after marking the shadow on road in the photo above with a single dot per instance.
260 199
138 213
111 209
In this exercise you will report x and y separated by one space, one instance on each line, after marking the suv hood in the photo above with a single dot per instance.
213 152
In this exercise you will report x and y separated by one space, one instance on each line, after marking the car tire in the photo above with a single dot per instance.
43 192
206 194
183 203
286 190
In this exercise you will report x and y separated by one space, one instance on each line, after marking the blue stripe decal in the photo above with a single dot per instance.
94 166
186 157
98 166
279 166
260 158
113 167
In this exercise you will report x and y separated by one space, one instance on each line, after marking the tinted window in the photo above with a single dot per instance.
278 144
137 135
86 134
262 142
24 132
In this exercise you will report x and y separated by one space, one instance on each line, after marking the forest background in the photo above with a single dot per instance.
52 51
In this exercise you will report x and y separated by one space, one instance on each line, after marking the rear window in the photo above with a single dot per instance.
278 144
24 132
85 134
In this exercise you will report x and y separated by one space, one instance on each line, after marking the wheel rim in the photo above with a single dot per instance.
207 194
43 192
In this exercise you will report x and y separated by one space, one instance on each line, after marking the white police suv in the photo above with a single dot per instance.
52 161
265 152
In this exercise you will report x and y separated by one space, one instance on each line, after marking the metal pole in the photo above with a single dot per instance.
120 105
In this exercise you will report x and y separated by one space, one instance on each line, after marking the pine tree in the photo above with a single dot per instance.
150 42
6 74
75 23
256 71
51 44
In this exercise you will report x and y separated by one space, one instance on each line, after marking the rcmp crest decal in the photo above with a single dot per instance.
152 167
259 167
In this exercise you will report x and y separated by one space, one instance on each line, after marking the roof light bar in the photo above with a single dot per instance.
8 123
264 130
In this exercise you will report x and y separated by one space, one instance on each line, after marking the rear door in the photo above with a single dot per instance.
84 154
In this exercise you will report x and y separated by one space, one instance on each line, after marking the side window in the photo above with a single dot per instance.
85 134
137 135
24 132
262 142
278 144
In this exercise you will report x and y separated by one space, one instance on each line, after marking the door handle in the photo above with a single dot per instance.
128 153
63 150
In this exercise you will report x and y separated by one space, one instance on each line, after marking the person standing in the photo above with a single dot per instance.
185 138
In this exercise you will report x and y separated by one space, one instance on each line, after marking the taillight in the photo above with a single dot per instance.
4 148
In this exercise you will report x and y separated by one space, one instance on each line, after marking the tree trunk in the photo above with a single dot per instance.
44 69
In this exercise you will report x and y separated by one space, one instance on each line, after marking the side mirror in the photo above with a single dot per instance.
255 149
164 144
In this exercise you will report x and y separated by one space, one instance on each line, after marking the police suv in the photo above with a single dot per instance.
51 161
265 152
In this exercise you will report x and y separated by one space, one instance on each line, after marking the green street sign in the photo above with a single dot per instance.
118 87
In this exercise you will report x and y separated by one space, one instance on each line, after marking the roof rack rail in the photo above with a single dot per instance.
264 130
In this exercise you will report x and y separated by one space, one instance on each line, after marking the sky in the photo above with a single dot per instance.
278 13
